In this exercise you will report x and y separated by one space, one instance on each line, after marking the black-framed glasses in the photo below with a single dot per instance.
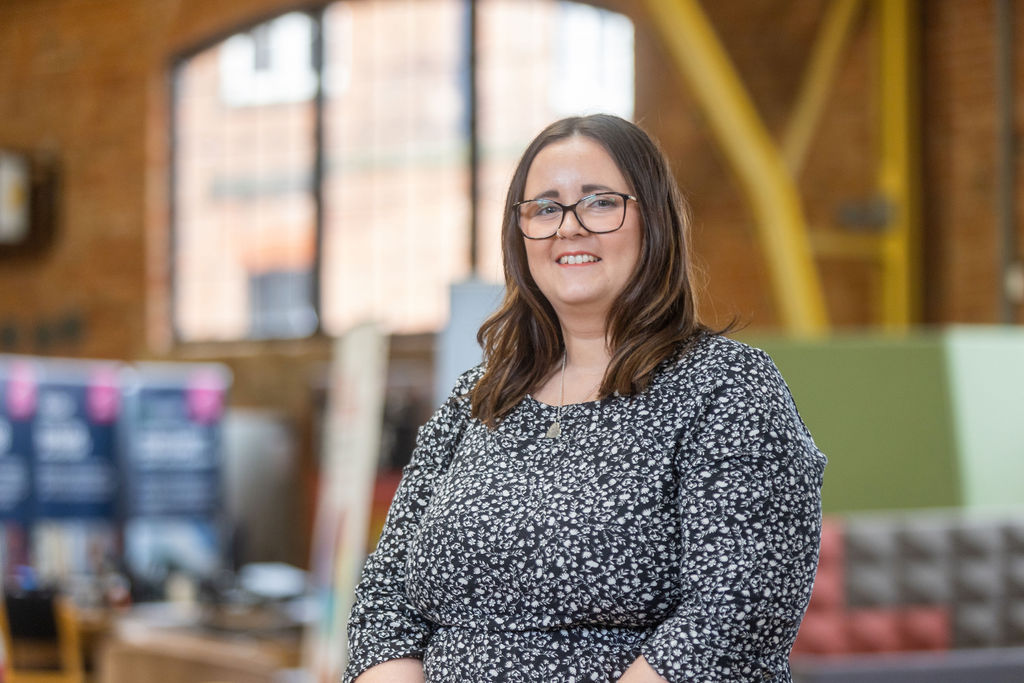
539 219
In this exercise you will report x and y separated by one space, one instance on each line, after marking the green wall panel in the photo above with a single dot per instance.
986 370
930 419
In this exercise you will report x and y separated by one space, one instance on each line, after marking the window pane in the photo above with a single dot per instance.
244 220
538 61
396 193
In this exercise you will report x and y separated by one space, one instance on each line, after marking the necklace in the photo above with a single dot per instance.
555 430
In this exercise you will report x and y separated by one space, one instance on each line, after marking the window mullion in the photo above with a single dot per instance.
318 167
474 149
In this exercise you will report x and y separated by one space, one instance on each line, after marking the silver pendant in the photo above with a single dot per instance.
554 431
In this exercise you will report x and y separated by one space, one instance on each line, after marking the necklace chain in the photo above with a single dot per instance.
555 430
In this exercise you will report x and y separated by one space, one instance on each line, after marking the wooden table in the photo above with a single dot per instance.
140 649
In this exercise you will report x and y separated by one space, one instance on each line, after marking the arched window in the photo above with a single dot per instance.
321 162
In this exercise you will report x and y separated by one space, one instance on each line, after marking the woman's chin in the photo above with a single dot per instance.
581 303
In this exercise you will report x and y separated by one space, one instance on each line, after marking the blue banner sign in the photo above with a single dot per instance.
173 440
18 389
74 441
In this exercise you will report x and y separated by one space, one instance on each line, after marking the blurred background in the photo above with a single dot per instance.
245 246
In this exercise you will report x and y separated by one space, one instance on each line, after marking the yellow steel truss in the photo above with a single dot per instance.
768 170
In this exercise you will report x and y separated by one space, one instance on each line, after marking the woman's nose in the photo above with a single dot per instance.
571 226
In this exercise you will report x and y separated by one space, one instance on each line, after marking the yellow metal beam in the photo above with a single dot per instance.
898 178
835 31
754 157
845 245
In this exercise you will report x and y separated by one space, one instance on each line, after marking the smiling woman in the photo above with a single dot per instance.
617 493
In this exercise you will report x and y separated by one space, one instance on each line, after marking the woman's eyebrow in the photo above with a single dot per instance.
585 189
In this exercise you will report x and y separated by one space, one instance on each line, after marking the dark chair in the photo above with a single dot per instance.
41 639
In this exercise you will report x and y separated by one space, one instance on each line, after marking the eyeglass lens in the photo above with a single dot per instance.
539 218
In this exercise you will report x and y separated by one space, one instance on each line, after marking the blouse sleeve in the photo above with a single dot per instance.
383 625
750 511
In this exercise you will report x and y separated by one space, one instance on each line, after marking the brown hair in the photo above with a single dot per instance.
655 311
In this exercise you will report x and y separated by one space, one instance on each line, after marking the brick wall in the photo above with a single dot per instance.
960 160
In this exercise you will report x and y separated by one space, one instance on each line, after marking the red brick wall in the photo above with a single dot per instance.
86 83
960 159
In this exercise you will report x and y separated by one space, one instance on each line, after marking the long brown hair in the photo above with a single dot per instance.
653 314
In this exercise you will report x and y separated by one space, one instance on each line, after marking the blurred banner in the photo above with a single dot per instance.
18 388
17 407
351 446
88 445
66 521
74 440
172 473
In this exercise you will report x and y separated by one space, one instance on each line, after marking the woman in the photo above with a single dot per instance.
616 493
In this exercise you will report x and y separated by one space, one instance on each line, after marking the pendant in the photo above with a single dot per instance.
554 431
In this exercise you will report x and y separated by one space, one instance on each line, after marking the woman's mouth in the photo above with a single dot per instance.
573 259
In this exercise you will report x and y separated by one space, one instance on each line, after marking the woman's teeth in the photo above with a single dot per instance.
578 258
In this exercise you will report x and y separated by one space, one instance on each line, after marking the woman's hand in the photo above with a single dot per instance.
406 670
641 672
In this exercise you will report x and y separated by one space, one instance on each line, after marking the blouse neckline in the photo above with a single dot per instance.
547 406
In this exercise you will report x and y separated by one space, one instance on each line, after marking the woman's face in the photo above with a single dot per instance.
565 171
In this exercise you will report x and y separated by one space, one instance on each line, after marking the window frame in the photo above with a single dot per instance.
316 12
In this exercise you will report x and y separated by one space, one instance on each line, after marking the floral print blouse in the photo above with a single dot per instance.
681 524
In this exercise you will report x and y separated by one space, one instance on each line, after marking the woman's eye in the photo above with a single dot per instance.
603 202
547 210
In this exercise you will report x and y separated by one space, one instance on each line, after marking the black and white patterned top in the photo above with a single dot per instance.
681 523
